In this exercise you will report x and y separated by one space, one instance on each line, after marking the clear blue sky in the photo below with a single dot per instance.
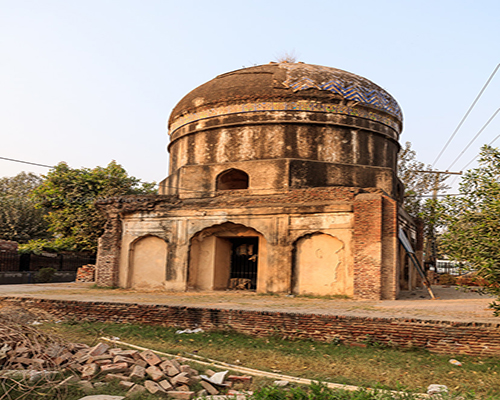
92 81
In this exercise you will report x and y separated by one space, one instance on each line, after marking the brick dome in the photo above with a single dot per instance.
306 87
281 125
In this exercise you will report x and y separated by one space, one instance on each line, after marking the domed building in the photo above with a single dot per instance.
282 179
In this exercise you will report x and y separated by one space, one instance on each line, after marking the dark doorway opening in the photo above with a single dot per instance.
244 253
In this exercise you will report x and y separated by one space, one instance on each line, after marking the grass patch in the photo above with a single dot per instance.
308 296
372 366
317 391
325 297
96 286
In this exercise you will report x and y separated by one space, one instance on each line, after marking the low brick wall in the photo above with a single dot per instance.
439 337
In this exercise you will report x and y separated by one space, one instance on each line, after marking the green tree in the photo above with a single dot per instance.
69 194
417 183
418 196
20 220
473 221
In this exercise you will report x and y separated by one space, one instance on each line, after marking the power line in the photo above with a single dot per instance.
41 165
438 195
27 162
475 137
489 144
181 188
471 161
466 114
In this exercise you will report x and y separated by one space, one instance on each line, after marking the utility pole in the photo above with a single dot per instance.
431 251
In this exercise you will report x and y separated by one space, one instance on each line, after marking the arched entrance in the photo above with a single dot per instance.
227 256
319 267
148 262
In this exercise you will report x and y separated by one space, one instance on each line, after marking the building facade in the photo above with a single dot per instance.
282 179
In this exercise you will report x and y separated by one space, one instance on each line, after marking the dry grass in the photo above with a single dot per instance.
373 366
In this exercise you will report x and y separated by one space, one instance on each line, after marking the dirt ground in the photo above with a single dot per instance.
451 304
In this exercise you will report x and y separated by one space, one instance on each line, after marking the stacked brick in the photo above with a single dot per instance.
86 273
436 336
137 372
8 245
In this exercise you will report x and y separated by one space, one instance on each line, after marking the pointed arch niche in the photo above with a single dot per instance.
148 262
319 267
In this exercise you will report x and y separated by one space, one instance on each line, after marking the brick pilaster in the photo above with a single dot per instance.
367 237
108 253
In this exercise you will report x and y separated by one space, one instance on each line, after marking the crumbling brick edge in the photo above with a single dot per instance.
478 339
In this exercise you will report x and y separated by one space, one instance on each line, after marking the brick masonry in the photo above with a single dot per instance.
436 336
374 235
8 245
109 252
86 273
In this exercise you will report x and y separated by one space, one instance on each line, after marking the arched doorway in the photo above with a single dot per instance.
319 267
148 262
227 256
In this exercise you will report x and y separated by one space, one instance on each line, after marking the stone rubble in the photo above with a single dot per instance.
136 371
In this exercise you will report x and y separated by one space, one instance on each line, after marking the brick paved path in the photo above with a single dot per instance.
452 305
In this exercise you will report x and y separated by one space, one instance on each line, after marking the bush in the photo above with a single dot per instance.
447 279
45 275
471 279
47 245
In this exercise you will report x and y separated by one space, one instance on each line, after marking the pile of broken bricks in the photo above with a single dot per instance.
162 376
137 372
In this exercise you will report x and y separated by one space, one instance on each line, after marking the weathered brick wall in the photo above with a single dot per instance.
368 246
108 254
374 239
389 248
439 337
375 246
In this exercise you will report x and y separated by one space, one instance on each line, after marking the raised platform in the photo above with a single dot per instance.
457 323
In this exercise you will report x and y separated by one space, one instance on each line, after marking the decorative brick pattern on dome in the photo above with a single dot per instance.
349 86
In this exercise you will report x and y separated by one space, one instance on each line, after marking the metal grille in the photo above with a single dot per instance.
244 259
13 262
9 261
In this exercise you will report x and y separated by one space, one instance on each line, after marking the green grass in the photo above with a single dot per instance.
18 390
97 287
373 366
320 392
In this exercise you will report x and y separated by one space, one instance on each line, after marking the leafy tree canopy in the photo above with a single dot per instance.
20 220
473 221
69 194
